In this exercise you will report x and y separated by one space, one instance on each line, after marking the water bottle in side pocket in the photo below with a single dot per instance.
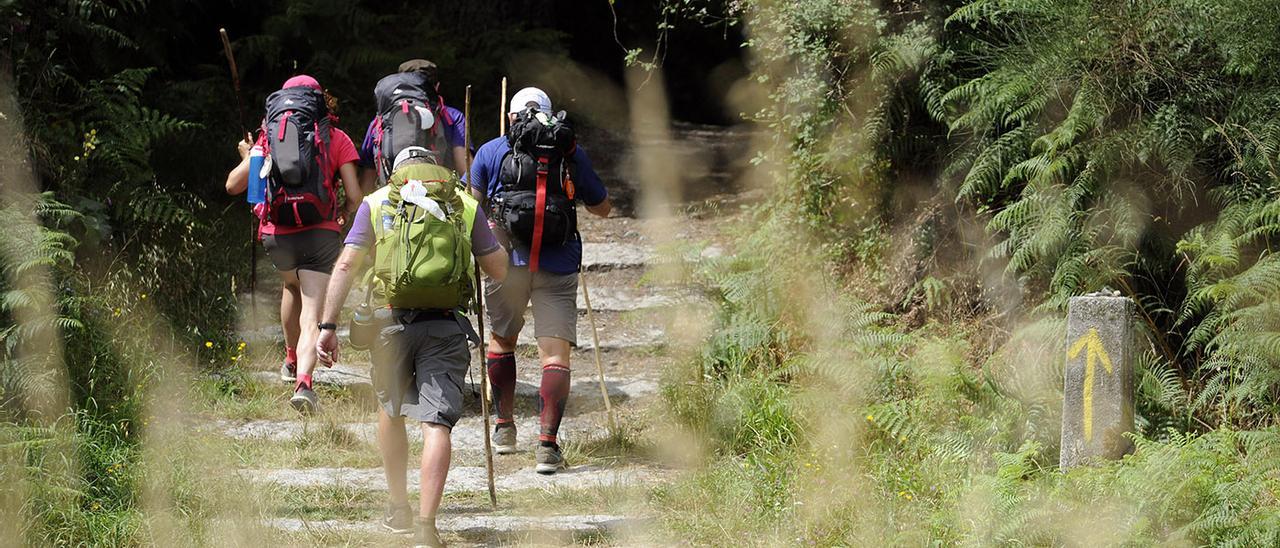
257 184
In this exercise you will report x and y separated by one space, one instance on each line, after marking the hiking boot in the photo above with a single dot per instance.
305 401
504 439
426 535
549 459
398 519
289 372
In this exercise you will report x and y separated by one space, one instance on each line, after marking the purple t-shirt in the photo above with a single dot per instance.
482 240
455 131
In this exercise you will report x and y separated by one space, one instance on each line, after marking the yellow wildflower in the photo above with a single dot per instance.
208 344
871 418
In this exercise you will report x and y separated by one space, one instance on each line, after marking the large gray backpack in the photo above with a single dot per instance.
410 113
299 191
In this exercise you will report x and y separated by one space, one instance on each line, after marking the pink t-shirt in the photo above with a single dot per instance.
341 151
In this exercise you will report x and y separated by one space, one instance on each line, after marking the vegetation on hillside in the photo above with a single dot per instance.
956 171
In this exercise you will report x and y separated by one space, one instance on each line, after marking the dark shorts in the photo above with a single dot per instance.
419 370
314 250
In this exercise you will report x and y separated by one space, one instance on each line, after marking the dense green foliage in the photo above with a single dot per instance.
1022 152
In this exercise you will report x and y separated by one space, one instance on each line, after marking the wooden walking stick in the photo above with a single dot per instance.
484 374
502 110
253 237
595 341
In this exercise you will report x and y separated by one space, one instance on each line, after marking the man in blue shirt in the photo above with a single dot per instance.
451 121
552 290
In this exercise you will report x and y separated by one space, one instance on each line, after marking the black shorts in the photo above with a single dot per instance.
314 250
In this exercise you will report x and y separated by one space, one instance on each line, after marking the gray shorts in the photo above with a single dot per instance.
554 298
314 250
419 369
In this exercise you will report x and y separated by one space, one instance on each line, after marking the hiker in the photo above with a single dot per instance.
539 151
300 217
423 229
446 131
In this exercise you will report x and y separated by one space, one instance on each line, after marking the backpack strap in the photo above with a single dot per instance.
539 210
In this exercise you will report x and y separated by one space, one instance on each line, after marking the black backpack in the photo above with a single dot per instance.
299 192
536 205
404 99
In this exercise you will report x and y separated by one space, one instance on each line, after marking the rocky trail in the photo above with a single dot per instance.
322 475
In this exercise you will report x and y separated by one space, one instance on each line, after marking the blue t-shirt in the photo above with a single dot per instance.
558 259
455 131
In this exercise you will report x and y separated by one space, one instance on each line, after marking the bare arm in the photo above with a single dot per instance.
238 179
351 183
344 273
601 209
494 264
460 160
368 178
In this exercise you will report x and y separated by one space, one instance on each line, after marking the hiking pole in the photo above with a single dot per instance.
502 110
253 243
595 341
484 374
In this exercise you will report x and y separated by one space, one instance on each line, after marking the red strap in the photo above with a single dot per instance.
284 119
404 107
540 206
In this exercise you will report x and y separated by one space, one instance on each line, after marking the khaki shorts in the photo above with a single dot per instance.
554 298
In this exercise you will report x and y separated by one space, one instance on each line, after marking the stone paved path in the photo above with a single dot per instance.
632 314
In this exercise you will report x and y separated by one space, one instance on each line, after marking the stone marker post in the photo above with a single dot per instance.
1097 405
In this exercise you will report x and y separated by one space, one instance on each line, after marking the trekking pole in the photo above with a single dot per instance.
484 374
595 341
502 110
253 243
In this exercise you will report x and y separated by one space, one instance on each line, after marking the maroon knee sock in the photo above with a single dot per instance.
551 399
502 379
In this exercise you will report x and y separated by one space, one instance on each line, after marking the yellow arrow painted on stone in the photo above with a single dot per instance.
1091 344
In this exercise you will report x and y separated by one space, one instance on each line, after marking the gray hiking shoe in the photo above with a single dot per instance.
398 520
549 459
504 439
305 401
426 535
289 372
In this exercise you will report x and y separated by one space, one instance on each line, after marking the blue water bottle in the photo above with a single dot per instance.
257 185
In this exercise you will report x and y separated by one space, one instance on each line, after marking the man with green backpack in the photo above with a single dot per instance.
423 229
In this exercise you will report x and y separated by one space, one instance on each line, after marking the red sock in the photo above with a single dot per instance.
551 399
502 381
291 355
304 379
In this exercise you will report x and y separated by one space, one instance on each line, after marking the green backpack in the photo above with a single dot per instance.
423 261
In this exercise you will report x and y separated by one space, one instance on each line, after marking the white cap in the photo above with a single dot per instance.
411 152
522 98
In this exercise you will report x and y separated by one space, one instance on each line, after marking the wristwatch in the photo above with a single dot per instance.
327 325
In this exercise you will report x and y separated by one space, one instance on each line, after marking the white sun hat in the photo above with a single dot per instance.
522 98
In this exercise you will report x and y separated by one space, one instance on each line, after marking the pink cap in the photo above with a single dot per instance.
302 80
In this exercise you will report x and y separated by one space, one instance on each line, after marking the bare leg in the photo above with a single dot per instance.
502 345
313 288
436 450
553 350
290 307
394 445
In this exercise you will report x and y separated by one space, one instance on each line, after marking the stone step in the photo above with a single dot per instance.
464 479
608 256
481 527
468 434
584 393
